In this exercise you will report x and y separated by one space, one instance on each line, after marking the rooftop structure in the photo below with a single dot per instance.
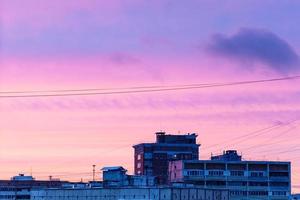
22 177
229 155
162 137
117 177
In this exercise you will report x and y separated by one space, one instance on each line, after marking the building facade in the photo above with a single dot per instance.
152 159
243 179
132 193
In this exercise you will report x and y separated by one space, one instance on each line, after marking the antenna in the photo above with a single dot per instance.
94 172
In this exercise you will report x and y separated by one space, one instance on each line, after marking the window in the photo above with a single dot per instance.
279 184
279 193
258 193
279 174
139 157
256 174
215 173
236 173
237 183
261 184
195 173
139 165
238 193
148 155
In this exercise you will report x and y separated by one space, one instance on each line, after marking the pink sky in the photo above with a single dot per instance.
95 44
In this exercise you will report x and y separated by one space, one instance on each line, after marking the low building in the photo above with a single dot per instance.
117 177
114 176
243 179
137 193
19 187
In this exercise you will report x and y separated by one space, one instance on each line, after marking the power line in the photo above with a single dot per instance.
159 89
262 145
242 136
100 89
264 132
247 136
259 132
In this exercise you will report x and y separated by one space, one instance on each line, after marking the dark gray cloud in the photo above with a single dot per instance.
253 45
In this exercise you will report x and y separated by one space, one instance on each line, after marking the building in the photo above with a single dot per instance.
131 193
114 176
243 179
151 159
19 187
22 177
117 177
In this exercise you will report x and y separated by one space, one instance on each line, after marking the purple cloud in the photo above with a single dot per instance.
256 45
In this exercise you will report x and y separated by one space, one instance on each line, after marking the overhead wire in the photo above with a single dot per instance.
240 137
160 89
262 144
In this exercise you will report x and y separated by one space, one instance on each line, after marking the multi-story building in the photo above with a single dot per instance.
243 179
152 159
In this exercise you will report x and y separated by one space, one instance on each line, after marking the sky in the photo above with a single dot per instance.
57 45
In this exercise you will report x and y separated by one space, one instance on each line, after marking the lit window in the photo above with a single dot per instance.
139 156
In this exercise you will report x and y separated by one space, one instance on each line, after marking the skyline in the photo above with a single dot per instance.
58 45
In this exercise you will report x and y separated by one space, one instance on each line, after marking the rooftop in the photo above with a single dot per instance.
113 168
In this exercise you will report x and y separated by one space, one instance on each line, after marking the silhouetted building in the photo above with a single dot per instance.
229 155
152 159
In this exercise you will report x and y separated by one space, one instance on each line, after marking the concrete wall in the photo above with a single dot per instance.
130 193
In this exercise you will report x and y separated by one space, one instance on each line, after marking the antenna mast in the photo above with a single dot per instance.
94 172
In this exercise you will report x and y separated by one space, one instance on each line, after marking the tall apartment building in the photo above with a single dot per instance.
243 179
152 159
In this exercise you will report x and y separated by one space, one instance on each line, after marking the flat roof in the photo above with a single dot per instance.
234 162
165 144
